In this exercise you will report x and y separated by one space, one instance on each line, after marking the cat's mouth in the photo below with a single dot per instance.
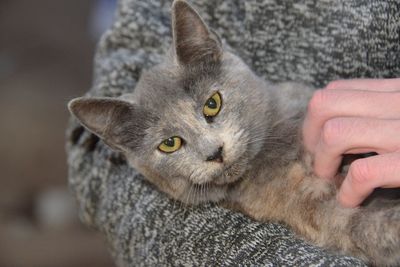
226 175
221 174
230 174
214 187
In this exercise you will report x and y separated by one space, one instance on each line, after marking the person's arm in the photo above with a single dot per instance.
351 117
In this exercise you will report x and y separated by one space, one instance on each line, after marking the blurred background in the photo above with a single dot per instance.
46 53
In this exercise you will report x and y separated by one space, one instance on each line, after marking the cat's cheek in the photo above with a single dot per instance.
232 137
176 187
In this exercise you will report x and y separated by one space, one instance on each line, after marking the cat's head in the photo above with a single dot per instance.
194 123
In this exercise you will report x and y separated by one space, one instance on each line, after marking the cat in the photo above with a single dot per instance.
203 127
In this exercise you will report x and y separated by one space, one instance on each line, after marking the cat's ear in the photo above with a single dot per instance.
119 123
193 41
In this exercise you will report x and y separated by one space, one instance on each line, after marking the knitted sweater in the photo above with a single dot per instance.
307 40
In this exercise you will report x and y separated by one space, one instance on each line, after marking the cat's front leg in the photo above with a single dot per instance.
371 232
376 233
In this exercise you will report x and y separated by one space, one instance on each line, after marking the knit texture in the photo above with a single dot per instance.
309 41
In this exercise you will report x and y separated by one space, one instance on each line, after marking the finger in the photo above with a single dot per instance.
326 104
383 85
353 135
367 174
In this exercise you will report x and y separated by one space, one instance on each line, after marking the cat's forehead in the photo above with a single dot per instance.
162 86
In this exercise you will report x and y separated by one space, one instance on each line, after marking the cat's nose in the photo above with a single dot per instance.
217 156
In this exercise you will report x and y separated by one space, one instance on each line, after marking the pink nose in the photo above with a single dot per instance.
217 156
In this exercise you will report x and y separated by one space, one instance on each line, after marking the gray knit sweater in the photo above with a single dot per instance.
307 40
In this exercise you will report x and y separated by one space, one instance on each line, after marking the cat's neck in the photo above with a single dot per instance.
282 147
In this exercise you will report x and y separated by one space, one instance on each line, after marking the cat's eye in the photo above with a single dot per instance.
171 144
212 106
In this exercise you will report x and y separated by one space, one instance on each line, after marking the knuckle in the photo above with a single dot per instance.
361 171
332 131
333 84
317 102
390 166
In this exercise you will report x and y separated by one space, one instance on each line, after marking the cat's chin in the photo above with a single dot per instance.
228 175
215 189
203 193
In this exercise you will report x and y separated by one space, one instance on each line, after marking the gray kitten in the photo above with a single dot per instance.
203 128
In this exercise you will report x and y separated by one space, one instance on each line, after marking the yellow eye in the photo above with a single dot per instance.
171 144
212 105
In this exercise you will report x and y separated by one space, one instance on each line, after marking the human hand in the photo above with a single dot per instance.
352 117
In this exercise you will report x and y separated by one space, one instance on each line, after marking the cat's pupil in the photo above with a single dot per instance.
169 142
211 103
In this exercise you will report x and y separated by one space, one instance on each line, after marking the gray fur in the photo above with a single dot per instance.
175 93
248 140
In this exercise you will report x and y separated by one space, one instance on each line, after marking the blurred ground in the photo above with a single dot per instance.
45 60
